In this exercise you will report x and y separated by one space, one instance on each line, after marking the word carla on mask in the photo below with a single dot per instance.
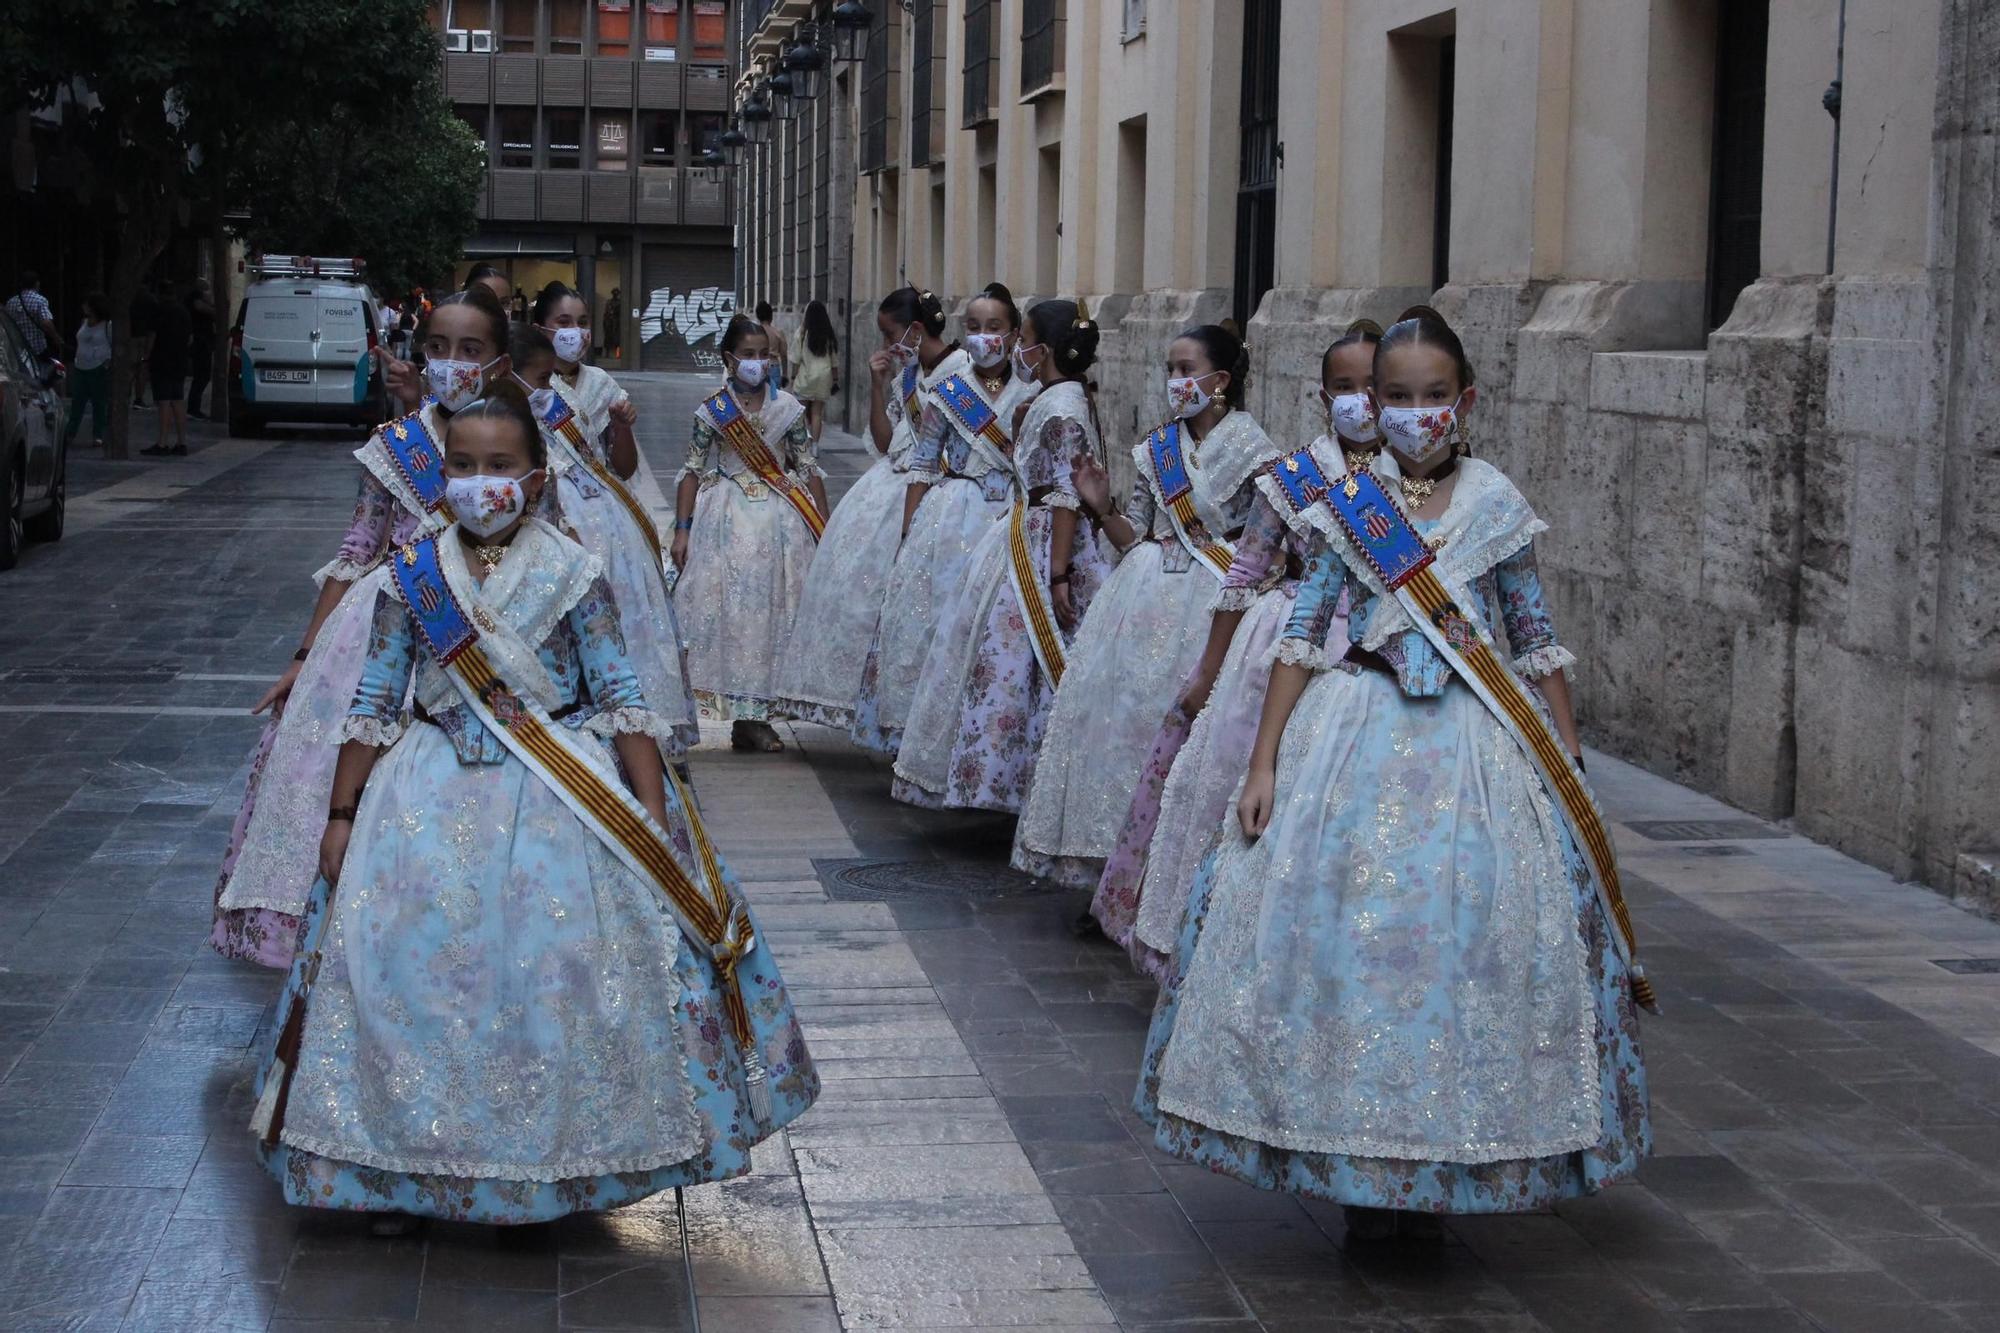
987 350
751 370
485 505
1352 417
457 384
570 344
1421 433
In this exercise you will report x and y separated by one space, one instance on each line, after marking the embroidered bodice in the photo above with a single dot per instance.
1057 428
379 523
711 457
945 451
1263 554
1487 559
1220 468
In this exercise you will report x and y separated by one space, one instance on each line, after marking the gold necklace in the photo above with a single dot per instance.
1416 490
490 556
993 384
1358 460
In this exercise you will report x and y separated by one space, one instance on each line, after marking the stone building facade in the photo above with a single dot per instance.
1736 350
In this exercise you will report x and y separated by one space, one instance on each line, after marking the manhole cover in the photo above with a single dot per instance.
870 880
1718 850
1703 830
1968 967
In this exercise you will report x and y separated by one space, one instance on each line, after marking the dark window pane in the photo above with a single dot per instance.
517 138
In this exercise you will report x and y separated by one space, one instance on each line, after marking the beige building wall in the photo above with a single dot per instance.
1767 541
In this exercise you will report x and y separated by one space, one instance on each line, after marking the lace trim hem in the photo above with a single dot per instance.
375 731
538 1173
1060 500
1236 599
1545 661
1302 653
347 571
633 722
1353 1145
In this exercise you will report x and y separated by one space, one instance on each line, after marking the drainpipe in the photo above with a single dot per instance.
1830 99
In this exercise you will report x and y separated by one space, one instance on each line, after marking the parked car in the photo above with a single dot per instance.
31 452
302 348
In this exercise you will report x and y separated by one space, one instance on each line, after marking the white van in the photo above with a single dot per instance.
303 346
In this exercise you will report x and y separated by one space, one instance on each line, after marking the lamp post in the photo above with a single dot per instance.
805 60
850 20
755 117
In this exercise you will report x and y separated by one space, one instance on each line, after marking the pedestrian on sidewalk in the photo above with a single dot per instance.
818 376
28 310
1405 985
201 345
781 351
171 332
624 1033
612 329
90 371
143 320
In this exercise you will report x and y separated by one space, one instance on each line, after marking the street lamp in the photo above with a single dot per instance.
784 100
850 19
755 117
804 62
732 140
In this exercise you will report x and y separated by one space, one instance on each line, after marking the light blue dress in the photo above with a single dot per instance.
507 1025
1405 993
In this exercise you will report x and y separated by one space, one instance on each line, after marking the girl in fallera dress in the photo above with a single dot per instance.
820 678
1402 984
750 508
985 690
607 411
1146 628
528 987
607 516
1199 756
267 871
961 479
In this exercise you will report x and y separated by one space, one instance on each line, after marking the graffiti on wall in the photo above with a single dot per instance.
695 319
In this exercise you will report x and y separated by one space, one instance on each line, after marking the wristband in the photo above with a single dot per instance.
1055 579
300 655
683 525
341 813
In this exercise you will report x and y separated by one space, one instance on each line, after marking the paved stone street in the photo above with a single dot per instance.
1826 1076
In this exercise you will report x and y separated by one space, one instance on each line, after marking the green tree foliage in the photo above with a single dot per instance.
172 107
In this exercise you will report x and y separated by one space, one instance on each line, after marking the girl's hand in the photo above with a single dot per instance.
333 848
625 412
679 550
1092 483
1195 697
1059 601
274 698
1253 807
881 365
405 386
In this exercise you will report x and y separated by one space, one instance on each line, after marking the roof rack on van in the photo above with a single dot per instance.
303 266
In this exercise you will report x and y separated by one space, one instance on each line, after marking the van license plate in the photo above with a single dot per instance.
285 376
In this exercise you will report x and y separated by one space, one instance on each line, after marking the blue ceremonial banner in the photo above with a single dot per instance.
910 408
446 629
722 407
1300 479
1378 528
417 457
1169 464
964 402
557 414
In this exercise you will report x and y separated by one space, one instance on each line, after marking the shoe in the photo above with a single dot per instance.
1369 1225
179 451
1420 1228
390 1225
157 451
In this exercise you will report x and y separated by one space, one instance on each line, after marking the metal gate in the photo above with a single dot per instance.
687 303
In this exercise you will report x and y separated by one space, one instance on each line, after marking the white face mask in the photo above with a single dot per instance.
902 349
540 401
571 344
455 384
750 371
486 505
987 350
1185 396
1353 418
1421 433
1022 370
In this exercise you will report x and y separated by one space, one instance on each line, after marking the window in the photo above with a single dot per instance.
1257 162
566 27
704 133
471 15
1041 45
517 26
564 139
879 91
1135 21
1048 225
1129 259
614 27
517 138
1417 123
657 133
923 88
981 63
476 118
1736 192
613 136
711 30
663 28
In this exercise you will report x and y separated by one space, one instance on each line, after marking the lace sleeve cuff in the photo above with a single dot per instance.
1235 599
923 472
343 569
1060 500
632 722
369 730
1302 653
1545 661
